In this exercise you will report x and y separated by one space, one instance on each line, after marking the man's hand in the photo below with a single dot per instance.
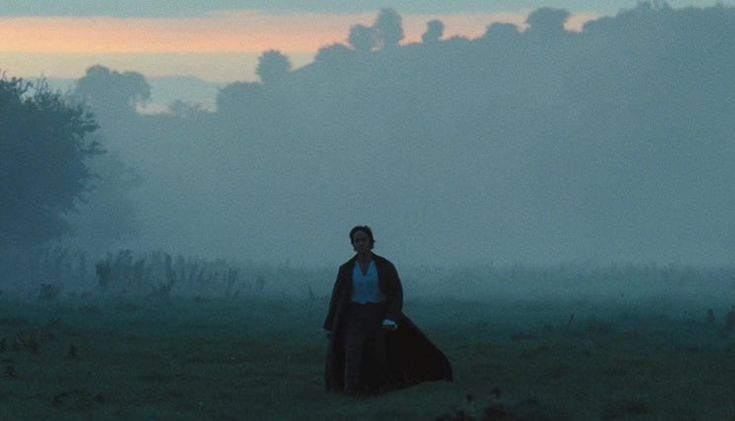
389 324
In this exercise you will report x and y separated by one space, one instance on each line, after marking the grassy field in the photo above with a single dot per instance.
580 357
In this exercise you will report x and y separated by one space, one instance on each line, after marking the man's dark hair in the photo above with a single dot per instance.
366 229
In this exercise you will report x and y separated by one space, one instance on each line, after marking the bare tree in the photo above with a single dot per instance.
333 53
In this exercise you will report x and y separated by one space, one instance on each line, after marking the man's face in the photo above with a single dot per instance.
361 242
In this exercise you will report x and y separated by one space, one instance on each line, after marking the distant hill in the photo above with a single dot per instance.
165 90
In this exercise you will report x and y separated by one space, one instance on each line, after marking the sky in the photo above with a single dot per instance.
220 40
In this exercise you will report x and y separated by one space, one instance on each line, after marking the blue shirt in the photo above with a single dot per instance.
365 288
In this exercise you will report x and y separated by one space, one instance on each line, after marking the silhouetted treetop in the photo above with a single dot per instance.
501 32
111 92
273 66
434 32
388 29
333 53
362 38
547 22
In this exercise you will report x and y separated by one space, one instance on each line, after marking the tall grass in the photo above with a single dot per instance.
47 273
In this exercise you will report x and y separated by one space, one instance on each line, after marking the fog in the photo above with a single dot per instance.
536 147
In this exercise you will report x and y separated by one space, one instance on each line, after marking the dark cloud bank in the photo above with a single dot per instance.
614 144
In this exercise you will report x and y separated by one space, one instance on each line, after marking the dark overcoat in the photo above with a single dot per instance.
410 357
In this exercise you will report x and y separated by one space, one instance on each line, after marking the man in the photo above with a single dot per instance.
373 346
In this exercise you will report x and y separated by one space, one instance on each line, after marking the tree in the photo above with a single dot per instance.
388 29
273 66
243 103
112 94
334 53
434 32
44 147
547 22
501 32
362 38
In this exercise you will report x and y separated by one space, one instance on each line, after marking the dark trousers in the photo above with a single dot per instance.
364 345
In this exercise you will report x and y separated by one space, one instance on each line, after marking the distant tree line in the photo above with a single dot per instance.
613 141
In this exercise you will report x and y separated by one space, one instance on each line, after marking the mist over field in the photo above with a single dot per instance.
559 206
537 146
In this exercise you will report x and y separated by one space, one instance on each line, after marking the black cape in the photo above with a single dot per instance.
411 358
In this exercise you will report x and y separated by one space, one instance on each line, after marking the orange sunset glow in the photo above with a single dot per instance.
222 33
243 33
